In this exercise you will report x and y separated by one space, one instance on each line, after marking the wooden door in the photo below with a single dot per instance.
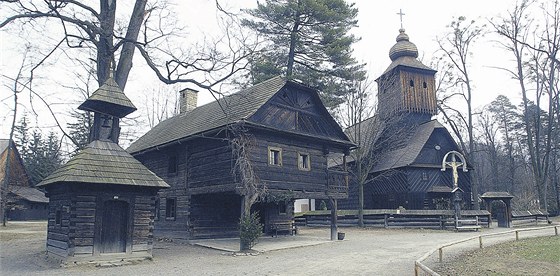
114 231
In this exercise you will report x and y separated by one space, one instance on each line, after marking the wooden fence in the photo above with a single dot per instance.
389 218
420 267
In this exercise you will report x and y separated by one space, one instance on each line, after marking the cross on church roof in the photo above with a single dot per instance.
400 13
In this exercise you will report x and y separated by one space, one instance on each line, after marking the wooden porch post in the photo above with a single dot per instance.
334 218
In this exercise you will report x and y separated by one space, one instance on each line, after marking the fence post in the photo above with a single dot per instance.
480 241
416 272
516 235
440 254
556 230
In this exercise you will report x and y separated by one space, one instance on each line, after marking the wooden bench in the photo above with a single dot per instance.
468 224
283 226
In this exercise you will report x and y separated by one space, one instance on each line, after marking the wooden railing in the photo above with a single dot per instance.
336 181
420 267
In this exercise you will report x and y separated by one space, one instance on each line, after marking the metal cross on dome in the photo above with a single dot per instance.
400 13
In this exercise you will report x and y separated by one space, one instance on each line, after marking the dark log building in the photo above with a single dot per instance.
23 201
102 201
409 145
290 135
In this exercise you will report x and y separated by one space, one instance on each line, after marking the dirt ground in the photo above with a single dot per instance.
363 252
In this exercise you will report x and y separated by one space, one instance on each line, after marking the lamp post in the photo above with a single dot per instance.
454 164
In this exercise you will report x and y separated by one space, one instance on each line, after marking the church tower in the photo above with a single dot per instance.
407 87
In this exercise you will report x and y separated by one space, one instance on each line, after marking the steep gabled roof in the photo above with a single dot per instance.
227 110
413 144
104 162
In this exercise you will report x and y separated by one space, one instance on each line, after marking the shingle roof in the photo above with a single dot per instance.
109 99
226 110
29 194
104 162
413 145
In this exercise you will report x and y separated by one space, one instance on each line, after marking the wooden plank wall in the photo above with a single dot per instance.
288 177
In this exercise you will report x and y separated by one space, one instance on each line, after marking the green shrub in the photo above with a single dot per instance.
250 229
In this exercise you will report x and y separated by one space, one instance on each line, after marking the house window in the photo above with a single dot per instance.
282 208
424 176
58 217
172 165
275 156
304 161
170 208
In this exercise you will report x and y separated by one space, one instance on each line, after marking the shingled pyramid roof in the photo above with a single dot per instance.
104 162
227 110
109 99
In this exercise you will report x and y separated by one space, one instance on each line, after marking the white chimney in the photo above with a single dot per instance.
188 100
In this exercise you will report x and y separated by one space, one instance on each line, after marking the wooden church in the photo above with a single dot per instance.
290 135
405 144
102 201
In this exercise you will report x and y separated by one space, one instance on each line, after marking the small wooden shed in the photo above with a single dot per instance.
102 202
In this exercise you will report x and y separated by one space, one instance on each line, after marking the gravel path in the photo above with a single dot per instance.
363 252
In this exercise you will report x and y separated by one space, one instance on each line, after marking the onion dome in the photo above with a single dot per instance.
403 47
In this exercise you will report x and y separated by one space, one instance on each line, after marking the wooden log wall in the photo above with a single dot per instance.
79 208
58 233
289 177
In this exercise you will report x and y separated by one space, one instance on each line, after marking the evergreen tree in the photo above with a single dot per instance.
308 40
40 156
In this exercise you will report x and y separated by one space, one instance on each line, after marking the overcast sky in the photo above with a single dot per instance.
378 27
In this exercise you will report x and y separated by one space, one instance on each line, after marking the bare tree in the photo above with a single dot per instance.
535 50
99 33
355 113
16 88
455 47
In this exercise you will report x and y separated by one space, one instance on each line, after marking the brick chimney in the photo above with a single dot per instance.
188 100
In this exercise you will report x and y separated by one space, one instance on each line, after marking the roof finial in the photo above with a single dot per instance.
400 13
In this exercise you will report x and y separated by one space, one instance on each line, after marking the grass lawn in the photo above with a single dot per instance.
534 256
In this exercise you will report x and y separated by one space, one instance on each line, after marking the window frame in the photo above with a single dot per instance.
270 156
172 164
170 208
304 165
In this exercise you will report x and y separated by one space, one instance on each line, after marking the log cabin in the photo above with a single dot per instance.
23 201
102 201
404 145
289 137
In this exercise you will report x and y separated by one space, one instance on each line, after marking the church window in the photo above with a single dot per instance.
411 83
425 85
274 156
